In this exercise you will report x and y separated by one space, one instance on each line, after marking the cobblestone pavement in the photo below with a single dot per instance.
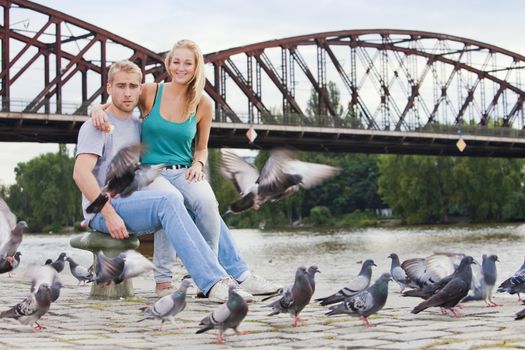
75 321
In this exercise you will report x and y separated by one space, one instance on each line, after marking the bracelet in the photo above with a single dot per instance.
200 161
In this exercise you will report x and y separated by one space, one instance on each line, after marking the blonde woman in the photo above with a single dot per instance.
175 114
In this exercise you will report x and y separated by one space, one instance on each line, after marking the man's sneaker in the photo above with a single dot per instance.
219 292
256 285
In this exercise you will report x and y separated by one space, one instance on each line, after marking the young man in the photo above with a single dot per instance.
149 210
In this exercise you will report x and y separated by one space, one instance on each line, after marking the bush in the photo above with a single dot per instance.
320 215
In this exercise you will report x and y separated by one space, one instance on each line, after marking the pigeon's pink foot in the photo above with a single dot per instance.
366 323
455 313
298 321
220 339
38 327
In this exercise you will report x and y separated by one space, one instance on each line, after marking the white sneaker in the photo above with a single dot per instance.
219 292
258 285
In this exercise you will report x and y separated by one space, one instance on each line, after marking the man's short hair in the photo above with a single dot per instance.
125 66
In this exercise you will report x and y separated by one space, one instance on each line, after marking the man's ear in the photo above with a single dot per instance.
108 88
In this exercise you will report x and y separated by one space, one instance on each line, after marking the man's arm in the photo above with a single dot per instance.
88 185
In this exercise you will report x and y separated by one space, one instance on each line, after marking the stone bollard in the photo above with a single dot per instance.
96 241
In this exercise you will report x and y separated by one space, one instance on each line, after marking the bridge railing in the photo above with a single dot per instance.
316 121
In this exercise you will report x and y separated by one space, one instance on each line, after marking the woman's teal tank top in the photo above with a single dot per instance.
167 142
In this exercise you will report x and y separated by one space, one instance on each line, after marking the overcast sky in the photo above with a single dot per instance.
222 24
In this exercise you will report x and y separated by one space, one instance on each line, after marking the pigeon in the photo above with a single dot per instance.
126 265
10 246
228 315
59 263
429 290
482 287
48 262
514 284
79 272
365 303
520 315
429 270
168 306
294 298
42 275
124 176
312 270
10 265
398 274
353 287
32 308
453 292
281 176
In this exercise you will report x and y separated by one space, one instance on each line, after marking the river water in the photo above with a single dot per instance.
337 253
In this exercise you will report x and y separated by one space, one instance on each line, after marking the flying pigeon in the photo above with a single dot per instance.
295 298
365 303
484 286
281 176
228 315
398 274
10 246
32 308
8 265
79 272
124 176
168 306
59 263
353 287
453 292
42 275
7 221
126 265
514 284
429 270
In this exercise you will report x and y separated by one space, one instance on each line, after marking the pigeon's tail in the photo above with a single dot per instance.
418 293
470 298
337 310
97 205
520 315
332 299
423 306
278 293
204 329
11 313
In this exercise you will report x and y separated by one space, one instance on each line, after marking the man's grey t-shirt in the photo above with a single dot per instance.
105 145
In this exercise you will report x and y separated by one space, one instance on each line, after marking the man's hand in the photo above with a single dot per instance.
115 224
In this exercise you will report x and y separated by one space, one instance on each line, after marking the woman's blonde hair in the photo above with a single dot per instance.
197 82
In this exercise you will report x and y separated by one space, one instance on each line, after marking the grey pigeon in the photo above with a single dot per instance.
32 308
10 265
353 287
168 306
483 287
10 246
365 303
79 272
126 265
7 222
59 263
294 298
281 176
453 292
124 176
398 274
514 284
228 315
312 270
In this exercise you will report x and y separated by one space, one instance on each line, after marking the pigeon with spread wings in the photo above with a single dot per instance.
281 176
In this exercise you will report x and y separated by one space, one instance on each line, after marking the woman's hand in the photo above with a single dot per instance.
195 172
99 118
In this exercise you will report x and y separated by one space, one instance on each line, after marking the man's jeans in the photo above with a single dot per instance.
164 256
147 211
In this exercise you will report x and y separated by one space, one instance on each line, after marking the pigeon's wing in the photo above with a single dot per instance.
455 290
27 307
312 174
240 172
125 158
82 273
218 316
10 247
135 264
361 302
107 269
7 221
163 306
441 265
418 270
273 179
143 177
41 275
400 275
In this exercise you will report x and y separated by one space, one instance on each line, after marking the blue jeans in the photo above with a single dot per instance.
200 200
147 211
164 256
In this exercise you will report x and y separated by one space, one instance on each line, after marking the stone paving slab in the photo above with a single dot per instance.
75 321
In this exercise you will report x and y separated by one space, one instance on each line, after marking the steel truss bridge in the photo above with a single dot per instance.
374 90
